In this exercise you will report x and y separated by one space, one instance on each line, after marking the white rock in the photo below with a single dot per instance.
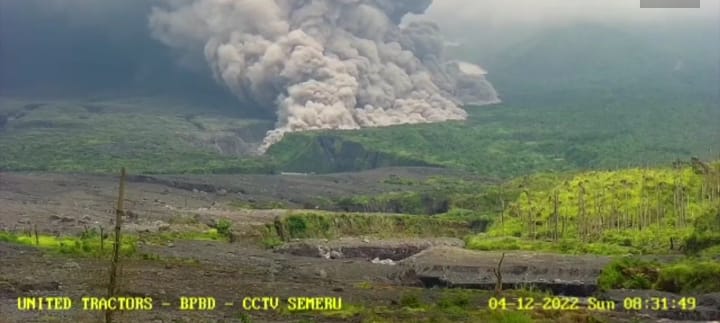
383 262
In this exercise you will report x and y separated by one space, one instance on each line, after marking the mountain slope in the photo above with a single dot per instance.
609 63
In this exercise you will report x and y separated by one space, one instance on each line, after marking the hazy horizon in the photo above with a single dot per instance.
123 53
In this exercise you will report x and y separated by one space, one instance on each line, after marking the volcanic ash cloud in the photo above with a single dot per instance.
325 64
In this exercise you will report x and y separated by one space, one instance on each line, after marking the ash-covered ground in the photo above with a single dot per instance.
364 271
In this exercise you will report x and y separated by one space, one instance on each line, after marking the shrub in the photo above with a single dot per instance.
697 242
510 317
411 300
628 273
690 277
296 226
455 298
224 228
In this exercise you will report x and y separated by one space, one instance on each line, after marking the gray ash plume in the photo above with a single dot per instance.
326 64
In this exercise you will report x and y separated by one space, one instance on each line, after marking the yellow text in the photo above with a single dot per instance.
260 303
44 303
314 303
197 303
117 303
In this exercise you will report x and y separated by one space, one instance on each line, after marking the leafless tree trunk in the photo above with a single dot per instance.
502 213
583 215
119 212
556 215
102 240
498 275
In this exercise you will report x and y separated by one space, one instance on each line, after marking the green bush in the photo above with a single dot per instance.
83 245
687 276
296 226
629 273
455 298
699 241
271 242
224 228
411 300
510 317
690 277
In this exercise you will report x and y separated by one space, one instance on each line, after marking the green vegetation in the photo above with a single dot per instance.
628 209
513 140
705 238
501 141
397 202
589 106
224 228
447 196
67 137
630 273
483 242
684 276
333 225
88 244
189 234
450 305
690 276
582 138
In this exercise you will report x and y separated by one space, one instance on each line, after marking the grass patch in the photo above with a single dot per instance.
685 276
510 317
86 245
347 312
711 252
690 276
485 242
449 305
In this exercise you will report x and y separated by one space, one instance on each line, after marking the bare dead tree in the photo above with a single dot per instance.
279 229
119 212
556 215
102 240
498 275
37 239
502 211
583 213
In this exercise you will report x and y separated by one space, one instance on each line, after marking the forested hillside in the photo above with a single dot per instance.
646 210
577 97
507 141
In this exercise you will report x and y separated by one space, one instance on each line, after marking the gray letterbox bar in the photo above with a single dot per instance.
669 3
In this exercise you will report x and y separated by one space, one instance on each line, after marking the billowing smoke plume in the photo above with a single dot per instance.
326 64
